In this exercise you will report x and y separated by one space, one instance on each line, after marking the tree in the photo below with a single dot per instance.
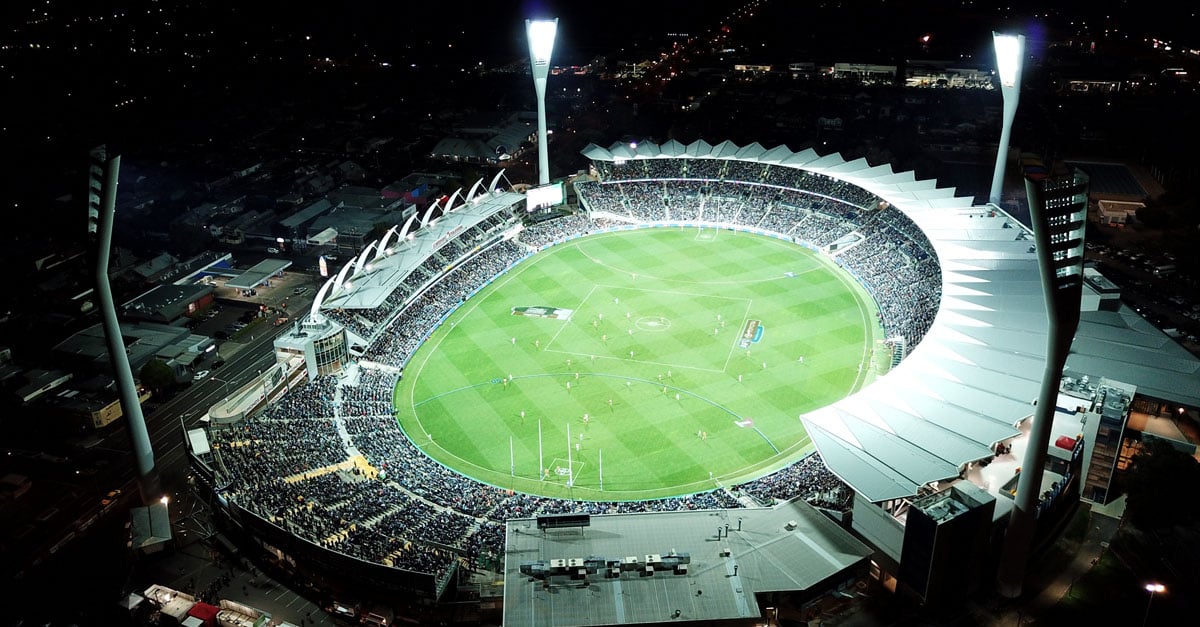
157 376
1155 216
1163 487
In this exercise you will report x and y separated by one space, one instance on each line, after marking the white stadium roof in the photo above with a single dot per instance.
370 276
973 377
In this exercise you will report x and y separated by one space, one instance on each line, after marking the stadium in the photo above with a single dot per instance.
726 334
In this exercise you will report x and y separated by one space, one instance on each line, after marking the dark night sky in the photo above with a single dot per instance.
60 101
230 69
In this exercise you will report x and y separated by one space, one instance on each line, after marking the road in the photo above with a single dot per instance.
163 425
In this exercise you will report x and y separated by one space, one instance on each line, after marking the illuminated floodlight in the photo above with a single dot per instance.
541 35
1009 50
541 40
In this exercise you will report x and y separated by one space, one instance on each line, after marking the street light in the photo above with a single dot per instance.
1009 52
541 45
225 391
1152 588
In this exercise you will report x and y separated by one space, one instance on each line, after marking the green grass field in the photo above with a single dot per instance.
651 354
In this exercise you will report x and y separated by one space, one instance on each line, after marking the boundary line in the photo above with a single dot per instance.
762 468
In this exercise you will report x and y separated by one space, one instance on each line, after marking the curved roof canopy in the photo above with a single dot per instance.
974 376
364 285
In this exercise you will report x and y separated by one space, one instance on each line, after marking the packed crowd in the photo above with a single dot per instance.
808 479
290 463
552 231
900 271
817 219
417 514
734 170
368 323
421 316
888 254
371 394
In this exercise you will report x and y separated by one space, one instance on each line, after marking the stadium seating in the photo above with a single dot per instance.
330 463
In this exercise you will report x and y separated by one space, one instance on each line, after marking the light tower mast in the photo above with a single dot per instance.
1058 207
1010 53
101 204
541 44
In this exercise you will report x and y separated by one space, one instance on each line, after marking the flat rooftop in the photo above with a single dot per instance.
788 548
258 274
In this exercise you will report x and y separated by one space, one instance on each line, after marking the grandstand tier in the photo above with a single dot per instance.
956 286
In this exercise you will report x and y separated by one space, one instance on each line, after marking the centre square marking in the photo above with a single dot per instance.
609 322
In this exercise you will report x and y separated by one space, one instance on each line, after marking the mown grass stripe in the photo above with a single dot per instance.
650 442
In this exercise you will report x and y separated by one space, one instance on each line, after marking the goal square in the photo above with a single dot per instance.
562 471
670 328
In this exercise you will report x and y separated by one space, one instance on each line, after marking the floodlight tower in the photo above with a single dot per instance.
1010 51
1058 207
101 203
541 44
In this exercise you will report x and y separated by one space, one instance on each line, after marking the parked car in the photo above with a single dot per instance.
199 376
110 498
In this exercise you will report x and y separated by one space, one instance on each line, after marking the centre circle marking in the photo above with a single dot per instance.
653 323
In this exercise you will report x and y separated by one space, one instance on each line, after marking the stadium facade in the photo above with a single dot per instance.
923 452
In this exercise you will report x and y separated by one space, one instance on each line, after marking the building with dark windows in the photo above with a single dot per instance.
321 342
